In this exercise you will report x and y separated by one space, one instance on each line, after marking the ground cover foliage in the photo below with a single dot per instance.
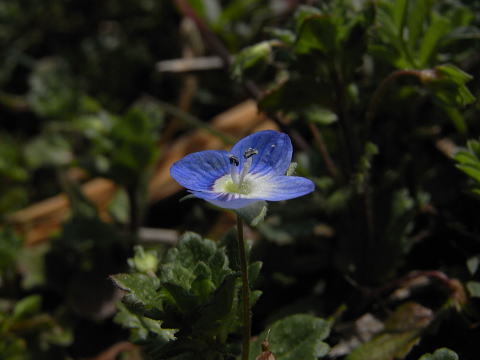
379 98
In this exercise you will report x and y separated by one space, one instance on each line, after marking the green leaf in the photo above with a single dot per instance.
134 151
468 161
141 288
388 34
10 160
473 263
295 337
181 262
219 308
399 10
292 168
251 56
145 261
53 91
364 166
402 332
27 307
253 271
410 34
48 150
254 213
284 35
317 32
196 293
10 247
415 21
321 115
303 13
436 31
385 346
441 354
457 119
141 325
474 288
183 299
448 85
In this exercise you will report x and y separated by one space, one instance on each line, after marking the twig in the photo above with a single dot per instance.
190 64
217 46
322 147
452 285
212 41
193 47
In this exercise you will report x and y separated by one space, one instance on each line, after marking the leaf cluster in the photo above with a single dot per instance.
28 333
190 305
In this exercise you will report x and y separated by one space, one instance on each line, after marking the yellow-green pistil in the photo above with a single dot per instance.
244 188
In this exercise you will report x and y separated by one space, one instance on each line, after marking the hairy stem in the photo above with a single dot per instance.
245 290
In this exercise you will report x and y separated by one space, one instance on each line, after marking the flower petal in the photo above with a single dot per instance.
274 152
198 171
278 188
271 188
225 200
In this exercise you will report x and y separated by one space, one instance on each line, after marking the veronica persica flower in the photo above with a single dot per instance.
254 170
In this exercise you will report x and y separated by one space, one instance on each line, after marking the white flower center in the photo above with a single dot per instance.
225 184
237 183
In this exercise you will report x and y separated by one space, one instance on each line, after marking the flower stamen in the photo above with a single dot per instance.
249 153
234 162
247 164
239 176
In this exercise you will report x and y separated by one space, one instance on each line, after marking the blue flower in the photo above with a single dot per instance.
252 171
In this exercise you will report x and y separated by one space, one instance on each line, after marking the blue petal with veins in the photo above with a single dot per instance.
254 170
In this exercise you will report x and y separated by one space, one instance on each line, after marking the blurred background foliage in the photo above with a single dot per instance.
379 98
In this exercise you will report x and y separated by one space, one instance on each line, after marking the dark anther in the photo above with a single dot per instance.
250 152
233 160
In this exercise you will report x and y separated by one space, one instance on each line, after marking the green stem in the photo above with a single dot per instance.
245 290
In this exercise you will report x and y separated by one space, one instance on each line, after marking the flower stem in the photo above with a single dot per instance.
245 290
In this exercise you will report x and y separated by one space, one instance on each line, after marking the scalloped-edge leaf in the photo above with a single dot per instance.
441 354
142 326
295 337
141 288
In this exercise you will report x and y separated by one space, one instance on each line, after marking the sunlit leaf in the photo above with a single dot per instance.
251 56
295 337
441 354
402 332
474 288
437 29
